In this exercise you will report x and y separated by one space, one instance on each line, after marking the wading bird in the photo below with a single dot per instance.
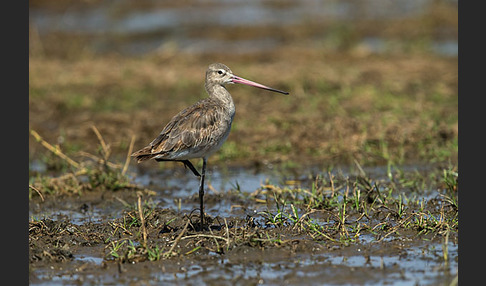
199 130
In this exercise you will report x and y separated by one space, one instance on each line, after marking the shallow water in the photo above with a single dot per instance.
160 26
174 187
395 260
418 266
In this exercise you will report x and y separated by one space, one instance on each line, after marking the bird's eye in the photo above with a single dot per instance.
220 72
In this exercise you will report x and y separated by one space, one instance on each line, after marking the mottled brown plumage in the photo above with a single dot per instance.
190 133
199 130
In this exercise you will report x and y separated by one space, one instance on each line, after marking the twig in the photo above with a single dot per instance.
332 183
210 187
142 221
106 149
169 252
218 249
227 234
204 235
38 192
320 232
53 149
125 204
118 225
299 221
98 159
395 228
127 161
361 171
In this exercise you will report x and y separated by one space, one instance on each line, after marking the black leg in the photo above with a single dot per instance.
188 164
201 192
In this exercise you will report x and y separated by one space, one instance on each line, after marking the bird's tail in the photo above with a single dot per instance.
143 154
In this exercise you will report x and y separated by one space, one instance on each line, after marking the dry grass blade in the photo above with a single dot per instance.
218 248
54 150
395 228
98 159
331 177
176 241
38 192
299 221
127 161
206 236
142 220
104 146
227 234
314 229
103 174
361 171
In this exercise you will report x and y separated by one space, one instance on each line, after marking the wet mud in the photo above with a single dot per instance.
251 237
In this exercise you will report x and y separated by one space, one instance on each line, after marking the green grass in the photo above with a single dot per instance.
350 208
328 208
382 108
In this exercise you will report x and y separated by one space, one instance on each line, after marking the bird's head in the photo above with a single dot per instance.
220 74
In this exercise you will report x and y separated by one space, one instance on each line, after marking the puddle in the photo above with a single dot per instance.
89 259
370 260
76 211
177 189
418 266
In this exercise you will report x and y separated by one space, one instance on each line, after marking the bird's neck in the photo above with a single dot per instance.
219 92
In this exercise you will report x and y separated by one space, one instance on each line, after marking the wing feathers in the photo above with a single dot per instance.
194 128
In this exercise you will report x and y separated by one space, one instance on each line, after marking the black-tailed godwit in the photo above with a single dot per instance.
199 130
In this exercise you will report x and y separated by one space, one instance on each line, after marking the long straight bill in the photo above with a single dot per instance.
237 79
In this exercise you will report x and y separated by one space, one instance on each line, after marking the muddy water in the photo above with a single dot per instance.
176 189
397 260
345 267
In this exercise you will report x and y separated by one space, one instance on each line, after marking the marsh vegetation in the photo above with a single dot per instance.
352 178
